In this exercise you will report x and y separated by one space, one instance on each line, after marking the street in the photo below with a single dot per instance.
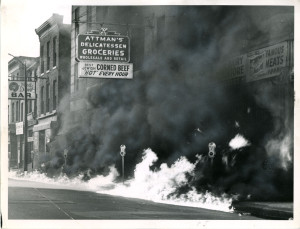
33 200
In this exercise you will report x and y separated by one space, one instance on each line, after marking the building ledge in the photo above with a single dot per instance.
48 114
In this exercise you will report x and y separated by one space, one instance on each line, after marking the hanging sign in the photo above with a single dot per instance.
95 47
16 89
105 70
235 67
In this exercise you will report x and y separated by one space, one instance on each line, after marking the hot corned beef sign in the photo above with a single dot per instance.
103 47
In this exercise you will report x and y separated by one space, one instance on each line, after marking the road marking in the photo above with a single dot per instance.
54 204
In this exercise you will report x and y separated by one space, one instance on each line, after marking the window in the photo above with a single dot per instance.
29 76
42 59
76 81
17 111
48 55
48 97
54 52
89 16
13 112
42 100
160 30
54 95
22 109
29 106
76 21
42 141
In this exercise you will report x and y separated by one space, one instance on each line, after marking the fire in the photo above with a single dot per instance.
158 186
238 142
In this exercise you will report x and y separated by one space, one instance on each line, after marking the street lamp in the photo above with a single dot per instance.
26 111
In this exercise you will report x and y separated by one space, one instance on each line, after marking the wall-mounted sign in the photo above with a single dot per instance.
19 128
105 70
235 67
16 89
266 62
103 48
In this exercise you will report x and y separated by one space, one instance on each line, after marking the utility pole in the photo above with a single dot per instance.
26 111
25 123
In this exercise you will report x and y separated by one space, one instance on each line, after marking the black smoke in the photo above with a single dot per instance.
176 106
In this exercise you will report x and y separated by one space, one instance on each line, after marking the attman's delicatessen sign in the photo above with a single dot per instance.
104 55
102 48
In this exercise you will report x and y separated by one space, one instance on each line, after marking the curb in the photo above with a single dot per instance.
265 210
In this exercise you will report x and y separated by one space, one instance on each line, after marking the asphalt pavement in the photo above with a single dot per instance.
267 210
27 200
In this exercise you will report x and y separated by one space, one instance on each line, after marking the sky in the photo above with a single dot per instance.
20 19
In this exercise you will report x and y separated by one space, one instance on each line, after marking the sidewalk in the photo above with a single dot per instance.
267 210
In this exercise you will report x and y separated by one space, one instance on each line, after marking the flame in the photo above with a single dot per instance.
158 186
238 142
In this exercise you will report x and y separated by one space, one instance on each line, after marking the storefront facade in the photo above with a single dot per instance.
52 84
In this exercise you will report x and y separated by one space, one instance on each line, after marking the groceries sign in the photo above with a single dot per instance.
93 47
16 89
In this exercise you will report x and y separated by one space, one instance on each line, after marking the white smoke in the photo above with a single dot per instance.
238 142
281 147
159 186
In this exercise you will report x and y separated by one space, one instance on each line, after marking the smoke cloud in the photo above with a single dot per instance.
176 107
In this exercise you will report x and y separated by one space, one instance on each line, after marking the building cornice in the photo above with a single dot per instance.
56 19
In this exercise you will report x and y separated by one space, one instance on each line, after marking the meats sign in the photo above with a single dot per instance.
266 62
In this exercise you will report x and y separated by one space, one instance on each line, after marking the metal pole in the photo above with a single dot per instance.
25 123
123 168
35 100
123 153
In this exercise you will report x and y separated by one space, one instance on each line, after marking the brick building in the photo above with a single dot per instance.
16 109
153 28
87 18
53 82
